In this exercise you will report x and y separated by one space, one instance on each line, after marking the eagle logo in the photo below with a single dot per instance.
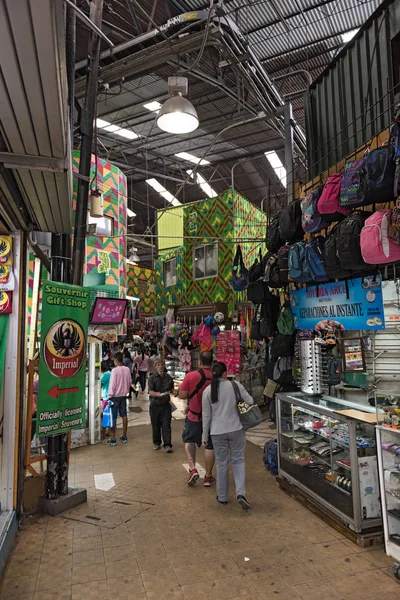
64 348
5 249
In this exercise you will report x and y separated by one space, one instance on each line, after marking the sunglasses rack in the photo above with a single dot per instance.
311 367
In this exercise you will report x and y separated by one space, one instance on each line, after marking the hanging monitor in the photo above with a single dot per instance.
108 311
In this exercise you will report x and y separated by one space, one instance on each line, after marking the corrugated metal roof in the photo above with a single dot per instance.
33 110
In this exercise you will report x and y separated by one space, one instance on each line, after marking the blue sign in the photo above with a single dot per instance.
356 304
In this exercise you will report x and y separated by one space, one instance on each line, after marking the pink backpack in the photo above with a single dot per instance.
328 204
377 248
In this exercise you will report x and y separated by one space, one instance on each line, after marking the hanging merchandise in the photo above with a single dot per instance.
348 247
257 291
185 359
311 220
395 133
394 227
209 321
298 267
352 186
282 259
272 274
332 263
255 333
273 238
219 317
376 246
380 169
315 259
240 275
328 204
5 250
228 351
290 227
256 269
283 345
7 279
5 303
270 315
332 369
285 323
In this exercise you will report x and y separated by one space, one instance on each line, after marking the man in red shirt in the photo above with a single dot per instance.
191 389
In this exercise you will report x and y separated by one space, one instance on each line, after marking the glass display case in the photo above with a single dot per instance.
327 448
388 442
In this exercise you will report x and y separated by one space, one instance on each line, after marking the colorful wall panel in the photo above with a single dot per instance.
224 219
141 284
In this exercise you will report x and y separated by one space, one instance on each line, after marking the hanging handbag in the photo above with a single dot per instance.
240 275
250 414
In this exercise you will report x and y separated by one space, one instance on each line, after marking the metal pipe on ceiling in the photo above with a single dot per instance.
296 72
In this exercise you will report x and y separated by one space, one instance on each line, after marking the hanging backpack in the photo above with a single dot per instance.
272 273
298 268
273 239
255 331
285 323
255 271
333 267
311 220
283 371
380 169
352 186
348 247
377 247
315 259
240 275
290 222
283 345
333 371
257 291
282 258
328 203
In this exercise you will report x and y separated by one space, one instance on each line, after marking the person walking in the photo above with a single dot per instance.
160 386
142 364
221 419
191 390
104 383
118 390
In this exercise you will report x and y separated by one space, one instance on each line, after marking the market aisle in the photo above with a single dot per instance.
150 537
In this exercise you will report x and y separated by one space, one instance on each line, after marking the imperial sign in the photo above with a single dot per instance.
61 394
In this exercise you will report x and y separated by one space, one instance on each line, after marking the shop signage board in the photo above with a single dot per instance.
355 305
62 372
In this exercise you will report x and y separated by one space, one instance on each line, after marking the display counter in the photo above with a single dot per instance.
327 448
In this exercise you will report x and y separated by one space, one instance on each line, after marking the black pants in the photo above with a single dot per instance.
142 379
161 416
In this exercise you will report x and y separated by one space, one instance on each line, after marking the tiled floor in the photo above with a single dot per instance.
150 537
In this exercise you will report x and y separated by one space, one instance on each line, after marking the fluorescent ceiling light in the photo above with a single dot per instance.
127 133
202 183
277 165
156 185
153 106
192 158
346 37
130 212
110 128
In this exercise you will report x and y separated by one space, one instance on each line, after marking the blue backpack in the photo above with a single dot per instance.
298 268
380 167
271 456
315 259
311 220
352 187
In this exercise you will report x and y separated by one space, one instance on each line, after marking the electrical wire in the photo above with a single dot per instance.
203 45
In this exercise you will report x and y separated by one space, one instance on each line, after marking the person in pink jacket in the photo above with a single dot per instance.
118 390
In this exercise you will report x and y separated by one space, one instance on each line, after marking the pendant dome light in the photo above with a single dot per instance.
177 115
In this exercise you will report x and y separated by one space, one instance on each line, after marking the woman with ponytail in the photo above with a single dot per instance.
221 419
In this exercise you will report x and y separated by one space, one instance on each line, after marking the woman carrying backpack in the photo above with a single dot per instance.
221 419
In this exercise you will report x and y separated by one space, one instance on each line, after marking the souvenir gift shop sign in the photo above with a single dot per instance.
353 305
61 394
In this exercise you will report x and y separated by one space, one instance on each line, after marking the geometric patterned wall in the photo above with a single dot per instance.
140 284
106 256
227 217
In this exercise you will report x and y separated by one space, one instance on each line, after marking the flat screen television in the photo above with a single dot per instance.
108 311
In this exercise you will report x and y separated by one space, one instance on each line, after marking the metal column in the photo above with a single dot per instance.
289 162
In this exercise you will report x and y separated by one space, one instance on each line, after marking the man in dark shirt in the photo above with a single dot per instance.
160 385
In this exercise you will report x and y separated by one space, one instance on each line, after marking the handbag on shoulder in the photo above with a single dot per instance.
250 414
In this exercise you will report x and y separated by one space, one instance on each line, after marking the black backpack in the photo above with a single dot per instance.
348 247
272 273
255 332
271 314
380 168
290 227
273 239
257 292
333 267
283 345
333 371
255 271
282 258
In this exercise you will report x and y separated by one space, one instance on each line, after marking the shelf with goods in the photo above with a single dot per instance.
388 441
331 457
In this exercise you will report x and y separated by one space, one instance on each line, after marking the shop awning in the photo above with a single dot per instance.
35 157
